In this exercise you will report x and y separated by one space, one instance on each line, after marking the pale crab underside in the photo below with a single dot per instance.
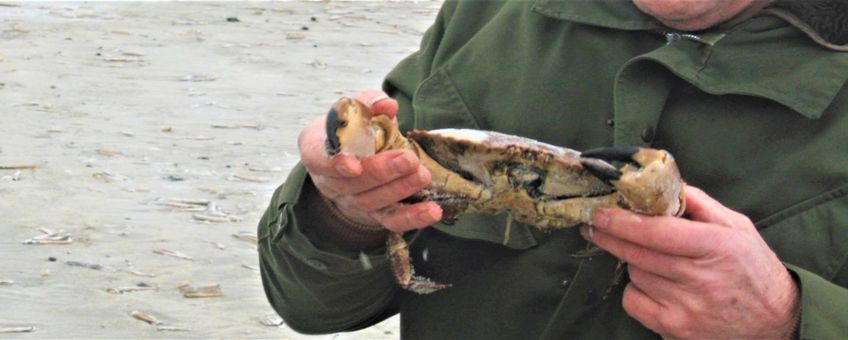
488 172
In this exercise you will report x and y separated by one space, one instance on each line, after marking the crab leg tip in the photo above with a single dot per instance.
615 153
601 170
333 122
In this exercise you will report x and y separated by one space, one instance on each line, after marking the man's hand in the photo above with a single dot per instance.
367 191
709 276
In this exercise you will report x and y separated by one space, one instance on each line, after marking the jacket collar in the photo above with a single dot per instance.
810 77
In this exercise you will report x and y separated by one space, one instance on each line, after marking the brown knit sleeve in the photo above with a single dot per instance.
328 228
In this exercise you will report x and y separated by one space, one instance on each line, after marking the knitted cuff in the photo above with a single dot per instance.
329 228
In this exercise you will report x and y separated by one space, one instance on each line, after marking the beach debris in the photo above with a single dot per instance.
143 274
233 19
218 245
172 253
51 237
241 178
17 166
215 215
247 236
247 266
29 329
258 169
182 23
200 137
145 317
237 126
108 152
130 289
108 177
8 4
295 36
173 178
318 64
121 32
6 282
271 320
167 129
198 78
127 133
201 291
14 177
94 266
44 272
185 204
162 328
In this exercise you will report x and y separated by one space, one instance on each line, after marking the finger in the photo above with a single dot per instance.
641 307
670 235
701 207
659 288
668 266
393 192
313 154
399 218
378 101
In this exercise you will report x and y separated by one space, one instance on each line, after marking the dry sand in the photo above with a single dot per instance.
122 108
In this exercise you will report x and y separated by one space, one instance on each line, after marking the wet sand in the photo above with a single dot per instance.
153 134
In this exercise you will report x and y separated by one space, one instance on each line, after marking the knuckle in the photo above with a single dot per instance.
636 254
675 324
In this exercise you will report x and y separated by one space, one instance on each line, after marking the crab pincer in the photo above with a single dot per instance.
649 182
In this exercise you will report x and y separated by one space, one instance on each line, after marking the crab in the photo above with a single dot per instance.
487 172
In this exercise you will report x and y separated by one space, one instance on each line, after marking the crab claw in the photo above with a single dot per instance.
649 182
348 128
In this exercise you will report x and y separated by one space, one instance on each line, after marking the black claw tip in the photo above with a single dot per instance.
601 169
615 153
332 144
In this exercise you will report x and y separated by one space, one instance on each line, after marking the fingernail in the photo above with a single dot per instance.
428 215
601 219
402 163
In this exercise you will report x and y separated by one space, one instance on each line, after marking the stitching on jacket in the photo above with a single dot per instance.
803 206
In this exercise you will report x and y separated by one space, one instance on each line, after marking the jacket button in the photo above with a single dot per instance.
611 122
317 264
648 134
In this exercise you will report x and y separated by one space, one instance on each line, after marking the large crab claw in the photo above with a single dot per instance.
649 182
349 129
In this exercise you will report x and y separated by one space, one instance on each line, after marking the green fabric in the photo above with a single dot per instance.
755 114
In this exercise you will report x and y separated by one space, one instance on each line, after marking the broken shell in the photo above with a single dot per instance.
145 317
203 291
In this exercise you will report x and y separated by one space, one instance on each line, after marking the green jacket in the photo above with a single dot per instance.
756 114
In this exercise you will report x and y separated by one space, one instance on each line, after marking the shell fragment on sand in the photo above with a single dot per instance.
247 237
51 237
202 291
145 317
131 289
172 253
17 166
271 320
29 329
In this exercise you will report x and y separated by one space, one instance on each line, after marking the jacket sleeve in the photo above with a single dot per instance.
812 240
317 286
824 307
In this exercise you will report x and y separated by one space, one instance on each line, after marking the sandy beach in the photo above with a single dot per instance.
141 143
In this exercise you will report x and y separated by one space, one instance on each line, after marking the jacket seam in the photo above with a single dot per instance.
803 206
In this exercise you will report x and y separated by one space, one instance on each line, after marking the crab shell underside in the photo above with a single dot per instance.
489 172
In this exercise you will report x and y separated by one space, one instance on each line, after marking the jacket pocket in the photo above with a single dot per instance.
437 104
812 234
